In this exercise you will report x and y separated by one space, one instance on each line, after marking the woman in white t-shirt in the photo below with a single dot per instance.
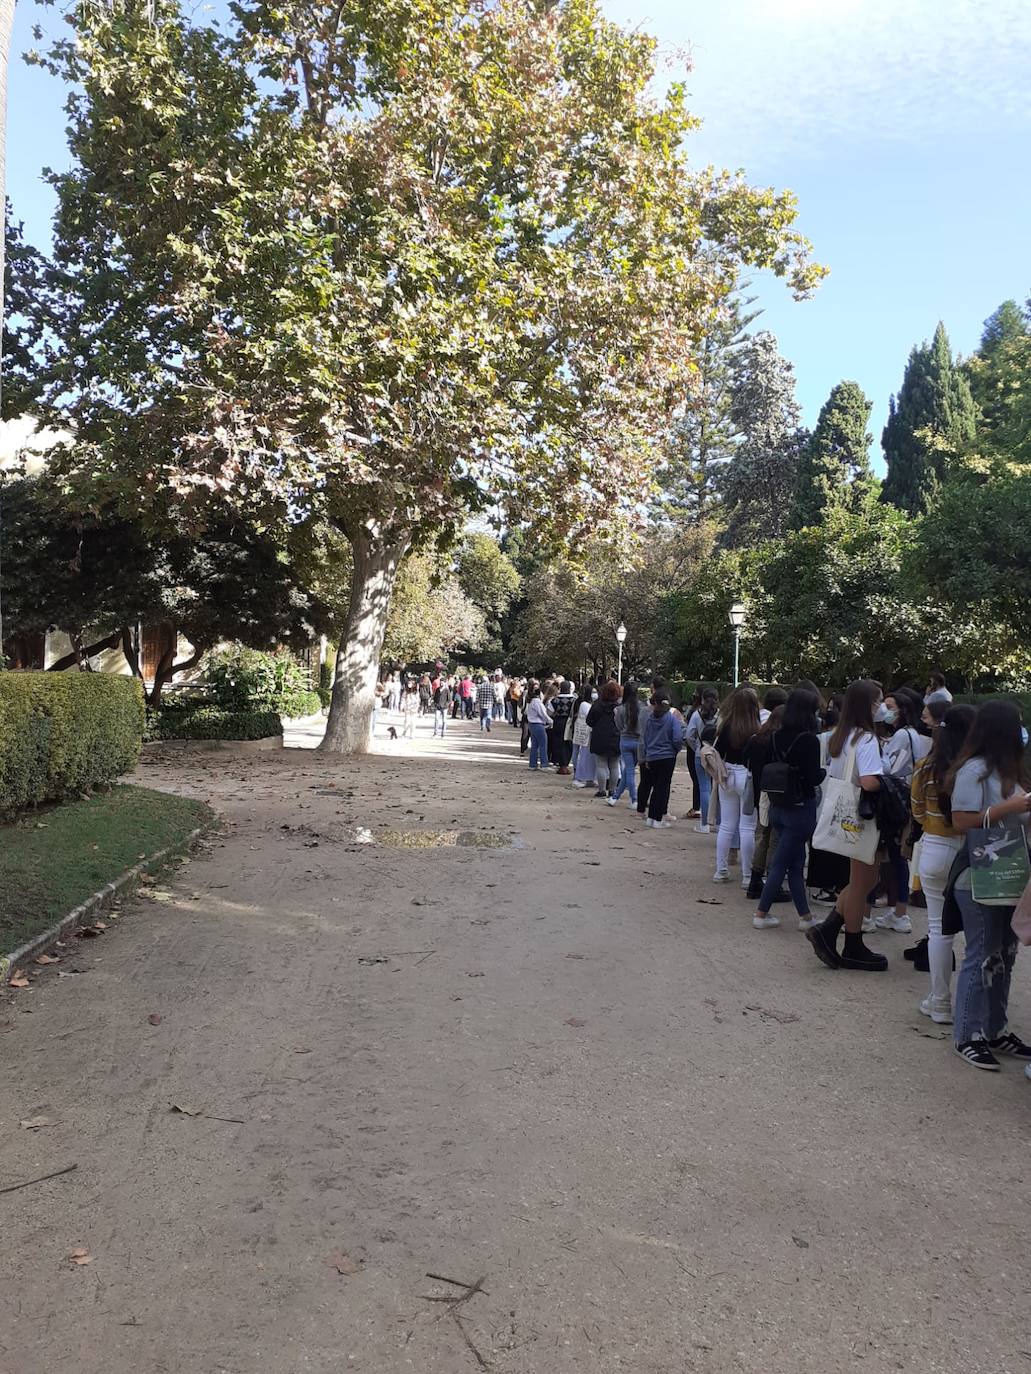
904 747
854 741
990 775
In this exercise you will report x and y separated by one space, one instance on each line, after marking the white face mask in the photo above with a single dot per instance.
882 714
594 696
1023 734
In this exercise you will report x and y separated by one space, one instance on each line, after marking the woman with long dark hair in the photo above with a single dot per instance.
940 842
739 721
904 746
628 722
853 754
792 758
988 780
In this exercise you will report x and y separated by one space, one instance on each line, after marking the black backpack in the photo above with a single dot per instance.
779 779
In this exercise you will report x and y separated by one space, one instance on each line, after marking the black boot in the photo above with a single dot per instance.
824 940
857 957
755 887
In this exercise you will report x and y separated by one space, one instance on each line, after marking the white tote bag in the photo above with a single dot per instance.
840 829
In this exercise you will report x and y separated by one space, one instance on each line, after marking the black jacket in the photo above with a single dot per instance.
604 730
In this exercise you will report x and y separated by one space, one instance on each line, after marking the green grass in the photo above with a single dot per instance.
54 858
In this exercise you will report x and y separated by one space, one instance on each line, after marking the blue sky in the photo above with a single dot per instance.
904 127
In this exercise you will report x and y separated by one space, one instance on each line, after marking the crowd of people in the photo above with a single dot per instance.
866 801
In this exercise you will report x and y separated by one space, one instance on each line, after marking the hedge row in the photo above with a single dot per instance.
209 722
65 733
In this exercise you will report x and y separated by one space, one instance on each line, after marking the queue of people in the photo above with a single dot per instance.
866 801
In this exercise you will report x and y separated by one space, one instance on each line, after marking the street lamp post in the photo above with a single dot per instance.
620 640
737 619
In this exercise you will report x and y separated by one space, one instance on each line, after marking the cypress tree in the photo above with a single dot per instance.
834 469
1001 327
933 412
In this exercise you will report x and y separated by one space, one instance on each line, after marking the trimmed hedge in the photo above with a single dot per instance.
65 733
209 722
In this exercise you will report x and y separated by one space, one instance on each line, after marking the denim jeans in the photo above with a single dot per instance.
796 825
704 792
983 986
485 718
439 721
628 775
538 746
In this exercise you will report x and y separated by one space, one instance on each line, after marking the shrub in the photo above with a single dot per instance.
64 733
240 679
211 722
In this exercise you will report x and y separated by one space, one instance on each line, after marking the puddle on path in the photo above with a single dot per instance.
433 839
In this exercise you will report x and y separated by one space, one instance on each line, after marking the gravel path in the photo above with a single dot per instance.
568 1067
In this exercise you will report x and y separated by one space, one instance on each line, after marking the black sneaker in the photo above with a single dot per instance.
601 792
824 946
976 1052
859 959
1012 1045
755 888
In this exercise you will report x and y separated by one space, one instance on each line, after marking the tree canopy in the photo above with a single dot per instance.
386 265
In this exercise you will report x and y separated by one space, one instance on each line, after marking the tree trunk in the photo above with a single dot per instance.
167 669
129 650
349 727
78 653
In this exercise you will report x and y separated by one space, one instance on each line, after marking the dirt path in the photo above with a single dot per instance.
666 1142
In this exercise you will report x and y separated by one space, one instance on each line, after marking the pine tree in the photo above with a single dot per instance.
1004 325
933 412
834 469
756 486
704 439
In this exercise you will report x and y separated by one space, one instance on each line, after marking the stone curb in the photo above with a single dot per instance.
82 914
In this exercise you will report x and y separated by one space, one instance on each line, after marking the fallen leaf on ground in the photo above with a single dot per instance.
100 925
344 1264
19 982
574 1021
33 1123
154 1019
186 1111
81 1256
88 933
47 959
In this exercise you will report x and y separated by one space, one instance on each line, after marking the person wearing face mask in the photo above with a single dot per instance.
853 754
583 770
904 747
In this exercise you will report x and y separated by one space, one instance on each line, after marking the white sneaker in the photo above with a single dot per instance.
631 803
889 921
807 922
765 922
702 829
650 823
664 824
669 818
1027 1071
746 882
579 784
611 801
869 925
721 876
938 1009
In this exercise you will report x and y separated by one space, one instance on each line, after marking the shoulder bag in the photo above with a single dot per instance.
840 829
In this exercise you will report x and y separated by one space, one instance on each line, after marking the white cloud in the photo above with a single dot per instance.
791 75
